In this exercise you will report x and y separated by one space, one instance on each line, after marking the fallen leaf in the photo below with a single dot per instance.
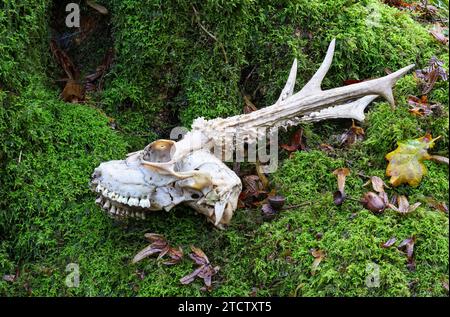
9 277
399 4
101 9
354 134
406 162
442 206
318 255
420 106
426 10
205 270
403 205
373 202
198 256
389 243
408 245
431 74
377 184
72 92
159 245
438 32
253 191
296 142
326 147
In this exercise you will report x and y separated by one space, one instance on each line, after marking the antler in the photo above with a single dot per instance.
311 103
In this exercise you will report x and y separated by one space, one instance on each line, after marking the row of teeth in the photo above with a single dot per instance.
130 201
116 211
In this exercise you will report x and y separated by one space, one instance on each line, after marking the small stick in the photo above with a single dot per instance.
211 35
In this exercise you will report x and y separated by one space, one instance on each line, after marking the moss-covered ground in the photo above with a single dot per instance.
167 71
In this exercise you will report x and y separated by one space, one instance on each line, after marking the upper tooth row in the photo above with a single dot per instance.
117 211
131 201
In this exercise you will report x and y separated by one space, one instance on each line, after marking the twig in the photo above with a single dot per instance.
197 18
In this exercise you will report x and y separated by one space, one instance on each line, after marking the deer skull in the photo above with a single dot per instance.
166 173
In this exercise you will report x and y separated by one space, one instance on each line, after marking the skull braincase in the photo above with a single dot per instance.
166 173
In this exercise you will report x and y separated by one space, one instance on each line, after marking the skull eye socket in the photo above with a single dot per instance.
195 196
159 151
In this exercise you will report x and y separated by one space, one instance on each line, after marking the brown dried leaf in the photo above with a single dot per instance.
198 256
399 4
378 184
73 92
420 106
354 134
9 277
442 206
326 147
445 285
403 205
408 244
431 74
253 191
190 277
373 202
389 243
204 271
147 251
159 245
296 142
438 33
318 255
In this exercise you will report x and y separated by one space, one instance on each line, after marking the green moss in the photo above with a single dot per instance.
168 71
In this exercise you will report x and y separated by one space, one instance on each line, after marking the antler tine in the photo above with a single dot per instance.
385 86
288 89
351 110
313 85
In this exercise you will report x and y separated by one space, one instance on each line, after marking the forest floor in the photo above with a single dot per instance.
75 97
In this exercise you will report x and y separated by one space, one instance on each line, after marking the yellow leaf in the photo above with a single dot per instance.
406 162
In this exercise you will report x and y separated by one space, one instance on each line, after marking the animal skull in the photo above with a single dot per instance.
166 173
